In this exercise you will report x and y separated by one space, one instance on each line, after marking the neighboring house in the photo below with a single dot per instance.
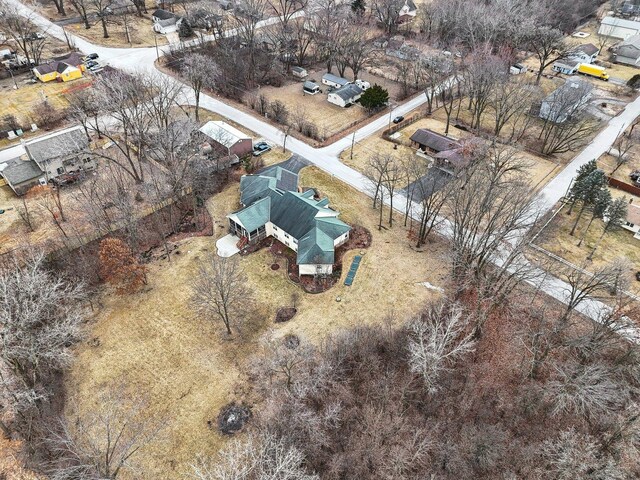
628 52
618 28
61 69
299 72
408 12
227 139
275 208
630 8
633 220
445 151
165 21
566 101
586 53
568 66
45 158
345 96
517 69
61 152
334 81
18 171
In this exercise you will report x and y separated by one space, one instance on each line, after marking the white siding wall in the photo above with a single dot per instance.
281 235
312 269
341 239
336 100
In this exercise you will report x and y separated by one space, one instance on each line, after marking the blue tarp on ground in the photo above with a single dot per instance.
352 271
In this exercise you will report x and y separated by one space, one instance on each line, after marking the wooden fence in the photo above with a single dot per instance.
625 187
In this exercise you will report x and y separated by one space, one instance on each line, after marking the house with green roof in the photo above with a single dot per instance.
273 207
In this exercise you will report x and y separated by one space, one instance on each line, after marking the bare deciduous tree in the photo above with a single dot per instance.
437 340
102 443
22 28
255 458
200 71
219 290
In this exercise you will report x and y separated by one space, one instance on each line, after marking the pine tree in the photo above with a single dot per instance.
587 191
185 30
615 218
358 7
599 208
577 186
374 97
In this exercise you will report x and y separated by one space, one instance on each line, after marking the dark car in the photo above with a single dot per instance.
91 64
398 119
260 148
91 56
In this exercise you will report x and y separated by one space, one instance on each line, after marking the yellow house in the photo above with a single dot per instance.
60 71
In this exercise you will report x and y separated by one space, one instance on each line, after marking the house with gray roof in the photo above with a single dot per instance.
566 101
273 207
61 152
19 171
620 28
346 95
628 51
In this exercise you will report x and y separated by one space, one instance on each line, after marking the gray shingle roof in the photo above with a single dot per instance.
348 92
163 14
334 78
22 171
433 140
587 48
57 145
254 216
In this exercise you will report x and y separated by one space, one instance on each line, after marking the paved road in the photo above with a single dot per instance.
327 158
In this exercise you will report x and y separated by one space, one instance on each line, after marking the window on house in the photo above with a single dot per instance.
629 224
295 241
275 228
86 160
286 235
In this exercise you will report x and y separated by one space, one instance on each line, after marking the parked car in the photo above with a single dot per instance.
91 56
398 119
260 148
67 179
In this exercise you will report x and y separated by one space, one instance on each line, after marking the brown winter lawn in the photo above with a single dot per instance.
151 343
620 244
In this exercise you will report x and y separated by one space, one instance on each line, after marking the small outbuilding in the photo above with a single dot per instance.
299 72
310 87
165 21
334 81
226 139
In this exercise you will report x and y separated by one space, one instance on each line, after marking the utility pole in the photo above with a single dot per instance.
353 141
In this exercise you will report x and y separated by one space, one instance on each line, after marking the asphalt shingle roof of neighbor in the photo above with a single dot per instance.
46 68
349 91
57 144
285 180
433 140
620 22
163 14
569 62
21 172
254 216
633 40
73 58
223 133
587 48
571 88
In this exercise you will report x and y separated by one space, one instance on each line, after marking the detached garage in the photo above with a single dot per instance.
618 28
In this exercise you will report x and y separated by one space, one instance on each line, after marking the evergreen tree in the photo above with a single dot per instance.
185 30
358 7
614 219
577 186
599 208
588 190
374 97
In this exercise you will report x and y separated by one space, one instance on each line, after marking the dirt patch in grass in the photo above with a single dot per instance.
233 418
284 314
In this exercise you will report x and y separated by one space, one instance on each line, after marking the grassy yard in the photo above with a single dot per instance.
21 102
621 243
140 29
152 343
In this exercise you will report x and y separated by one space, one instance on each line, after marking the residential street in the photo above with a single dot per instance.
327 158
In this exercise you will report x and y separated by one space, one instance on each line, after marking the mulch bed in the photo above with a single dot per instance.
359 238
233 417
284 314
